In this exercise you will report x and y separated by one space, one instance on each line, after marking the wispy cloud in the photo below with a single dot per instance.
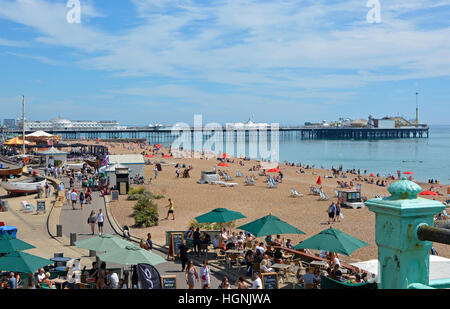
288 50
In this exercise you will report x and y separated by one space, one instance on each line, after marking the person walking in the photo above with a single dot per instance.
191 275
197 241
338 211
171 210
74 197
92 220
182 253
205 275
332 213
82 200
100 220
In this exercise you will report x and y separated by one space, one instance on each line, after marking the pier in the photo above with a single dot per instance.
167 134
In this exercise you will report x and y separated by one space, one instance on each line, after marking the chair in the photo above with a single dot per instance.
204 248
295 193
256 268
272 184
44 286
238 174
27 206
221 257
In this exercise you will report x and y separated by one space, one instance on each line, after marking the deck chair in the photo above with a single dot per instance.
272 184
27 206
295 193
248 182
335 192
238 174
323 197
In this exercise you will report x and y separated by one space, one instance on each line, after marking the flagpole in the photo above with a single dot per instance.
23 124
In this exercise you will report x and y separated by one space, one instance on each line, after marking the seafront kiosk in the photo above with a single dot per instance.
404 235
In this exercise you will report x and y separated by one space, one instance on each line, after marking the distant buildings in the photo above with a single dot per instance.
10 123
61 124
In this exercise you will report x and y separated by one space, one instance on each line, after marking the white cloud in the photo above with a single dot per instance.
270 47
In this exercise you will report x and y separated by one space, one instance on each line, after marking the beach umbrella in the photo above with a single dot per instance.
10 244
269 225
219 215
104 242
149 156
167 156
372 175
428 193
332 240
158 146
319 181
408 173
131 255
223 164
22 262
274 170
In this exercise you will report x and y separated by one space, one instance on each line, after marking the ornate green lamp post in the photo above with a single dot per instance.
403 222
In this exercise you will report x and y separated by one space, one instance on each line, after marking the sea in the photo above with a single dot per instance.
427 158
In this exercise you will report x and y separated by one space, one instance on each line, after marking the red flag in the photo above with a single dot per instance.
319 181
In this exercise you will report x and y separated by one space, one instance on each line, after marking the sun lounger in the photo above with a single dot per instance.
238 174
229 184
295 193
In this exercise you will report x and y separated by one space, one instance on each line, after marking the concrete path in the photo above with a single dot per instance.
75 221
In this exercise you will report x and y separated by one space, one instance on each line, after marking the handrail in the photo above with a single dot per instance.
318 258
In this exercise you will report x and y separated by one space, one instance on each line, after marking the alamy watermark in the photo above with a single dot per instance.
74 14
374 14
261 141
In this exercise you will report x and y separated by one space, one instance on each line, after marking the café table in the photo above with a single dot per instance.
282 267
59 282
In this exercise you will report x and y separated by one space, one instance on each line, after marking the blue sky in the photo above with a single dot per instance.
285 61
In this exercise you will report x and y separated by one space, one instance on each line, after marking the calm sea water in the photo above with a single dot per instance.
426 158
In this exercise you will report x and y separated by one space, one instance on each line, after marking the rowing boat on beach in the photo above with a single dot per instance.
8 168
26 185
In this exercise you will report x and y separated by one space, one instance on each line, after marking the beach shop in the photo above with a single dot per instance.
123 167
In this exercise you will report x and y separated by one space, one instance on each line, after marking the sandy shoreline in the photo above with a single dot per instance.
306 213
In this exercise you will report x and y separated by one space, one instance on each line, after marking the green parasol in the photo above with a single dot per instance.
269 225
10 244
22 262
332 240
219 215
132 255
103 243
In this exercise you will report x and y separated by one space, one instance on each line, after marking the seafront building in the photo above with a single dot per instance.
59 124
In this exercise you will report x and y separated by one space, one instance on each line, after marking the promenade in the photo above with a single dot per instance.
75 221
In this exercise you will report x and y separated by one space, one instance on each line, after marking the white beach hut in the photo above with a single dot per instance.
53 154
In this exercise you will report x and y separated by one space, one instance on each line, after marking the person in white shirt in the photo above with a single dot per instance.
100 220
260 248
113 280
41 275
257 283
335 260
216 242
74 197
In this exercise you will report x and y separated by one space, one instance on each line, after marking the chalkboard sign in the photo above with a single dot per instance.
115 195
169 282
41 206
176 239
269 281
